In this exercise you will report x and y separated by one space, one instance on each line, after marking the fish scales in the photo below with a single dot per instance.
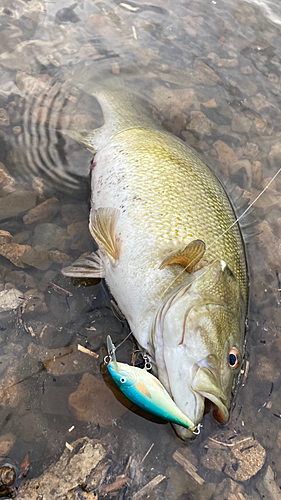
168 201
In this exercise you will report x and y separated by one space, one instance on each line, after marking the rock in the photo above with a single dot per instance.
240 123
10 299
273 246
46 235
200 124
7 442
17 130
251 150
268 487
21 278
58 257
275 151
229 489
225 153
256 174
14 253
173 101
242 168
260 102
10 391
32 85
246 70
242 460
61 479
5 237
16 203
273 78
4 118
7 183
210 104
223 63
22 237
36 257
94 402
81 238
44 212
74 213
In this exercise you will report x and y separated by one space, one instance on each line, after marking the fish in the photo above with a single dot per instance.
145 390
171 252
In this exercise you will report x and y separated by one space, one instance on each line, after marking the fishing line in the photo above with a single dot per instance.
227 230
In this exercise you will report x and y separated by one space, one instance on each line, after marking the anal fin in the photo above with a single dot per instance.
91 266
103 222
188 257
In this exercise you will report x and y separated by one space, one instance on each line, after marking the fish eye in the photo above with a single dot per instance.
123 380
234 358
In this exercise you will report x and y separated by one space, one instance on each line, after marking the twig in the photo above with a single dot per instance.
147 453
229 444
247 367
87 351
148 487
188 466
119 482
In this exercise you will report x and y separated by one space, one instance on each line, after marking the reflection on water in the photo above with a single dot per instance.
212 69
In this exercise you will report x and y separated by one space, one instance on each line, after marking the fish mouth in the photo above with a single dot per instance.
206 383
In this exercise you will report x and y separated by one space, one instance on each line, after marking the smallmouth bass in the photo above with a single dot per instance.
161 219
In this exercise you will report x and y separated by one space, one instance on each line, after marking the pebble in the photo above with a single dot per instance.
173 101
4 118
20 278
22 237
225 153
256 174
35 302
14 253
246 70
200 124
10 391
240 457
267 487
72 213
47 234
260 102
59 257
10 299
32 85
94 402
36 257
7 442
16 203
44 212
275 151
240 123
7 183
81 237
210 104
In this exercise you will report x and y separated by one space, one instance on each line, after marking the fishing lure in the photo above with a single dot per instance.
145 390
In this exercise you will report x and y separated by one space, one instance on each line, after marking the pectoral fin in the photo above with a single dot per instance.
188 257
102 226
91 266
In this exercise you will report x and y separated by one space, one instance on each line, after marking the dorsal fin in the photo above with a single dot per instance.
188 257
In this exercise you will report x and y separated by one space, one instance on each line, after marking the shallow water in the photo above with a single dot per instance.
212 69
